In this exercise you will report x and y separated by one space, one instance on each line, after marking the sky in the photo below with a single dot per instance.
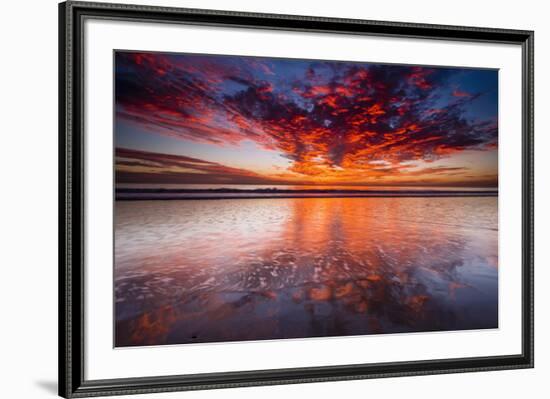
228 120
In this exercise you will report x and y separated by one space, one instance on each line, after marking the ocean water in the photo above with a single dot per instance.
248 269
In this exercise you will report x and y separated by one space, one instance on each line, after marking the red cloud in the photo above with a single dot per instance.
344 119
460 93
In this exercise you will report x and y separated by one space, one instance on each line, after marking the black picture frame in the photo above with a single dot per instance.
71 200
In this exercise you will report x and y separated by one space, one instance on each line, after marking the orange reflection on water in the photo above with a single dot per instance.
207 271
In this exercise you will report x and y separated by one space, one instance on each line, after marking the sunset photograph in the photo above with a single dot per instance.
263 198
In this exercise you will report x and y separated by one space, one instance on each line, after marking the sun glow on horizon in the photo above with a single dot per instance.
194 119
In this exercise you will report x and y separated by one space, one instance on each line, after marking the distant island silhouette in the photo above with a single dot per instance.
127 194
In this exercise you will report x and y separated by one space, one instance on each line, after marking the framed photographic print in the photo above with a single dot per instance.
252 199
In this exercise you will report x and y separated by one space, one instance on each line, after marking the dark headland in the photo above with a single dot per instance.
126 194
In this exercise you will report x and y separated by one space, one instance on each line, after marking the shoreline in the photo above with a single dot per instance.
198 196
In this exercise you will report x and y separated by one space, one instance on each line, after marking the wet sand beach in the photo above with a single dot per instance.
249 269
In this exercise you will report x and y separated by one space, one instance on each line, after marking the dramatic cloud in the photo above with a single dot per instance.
333 121
147 167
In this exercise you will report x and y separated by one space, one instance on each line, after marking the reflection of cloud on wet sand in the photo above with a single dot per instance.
316 267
